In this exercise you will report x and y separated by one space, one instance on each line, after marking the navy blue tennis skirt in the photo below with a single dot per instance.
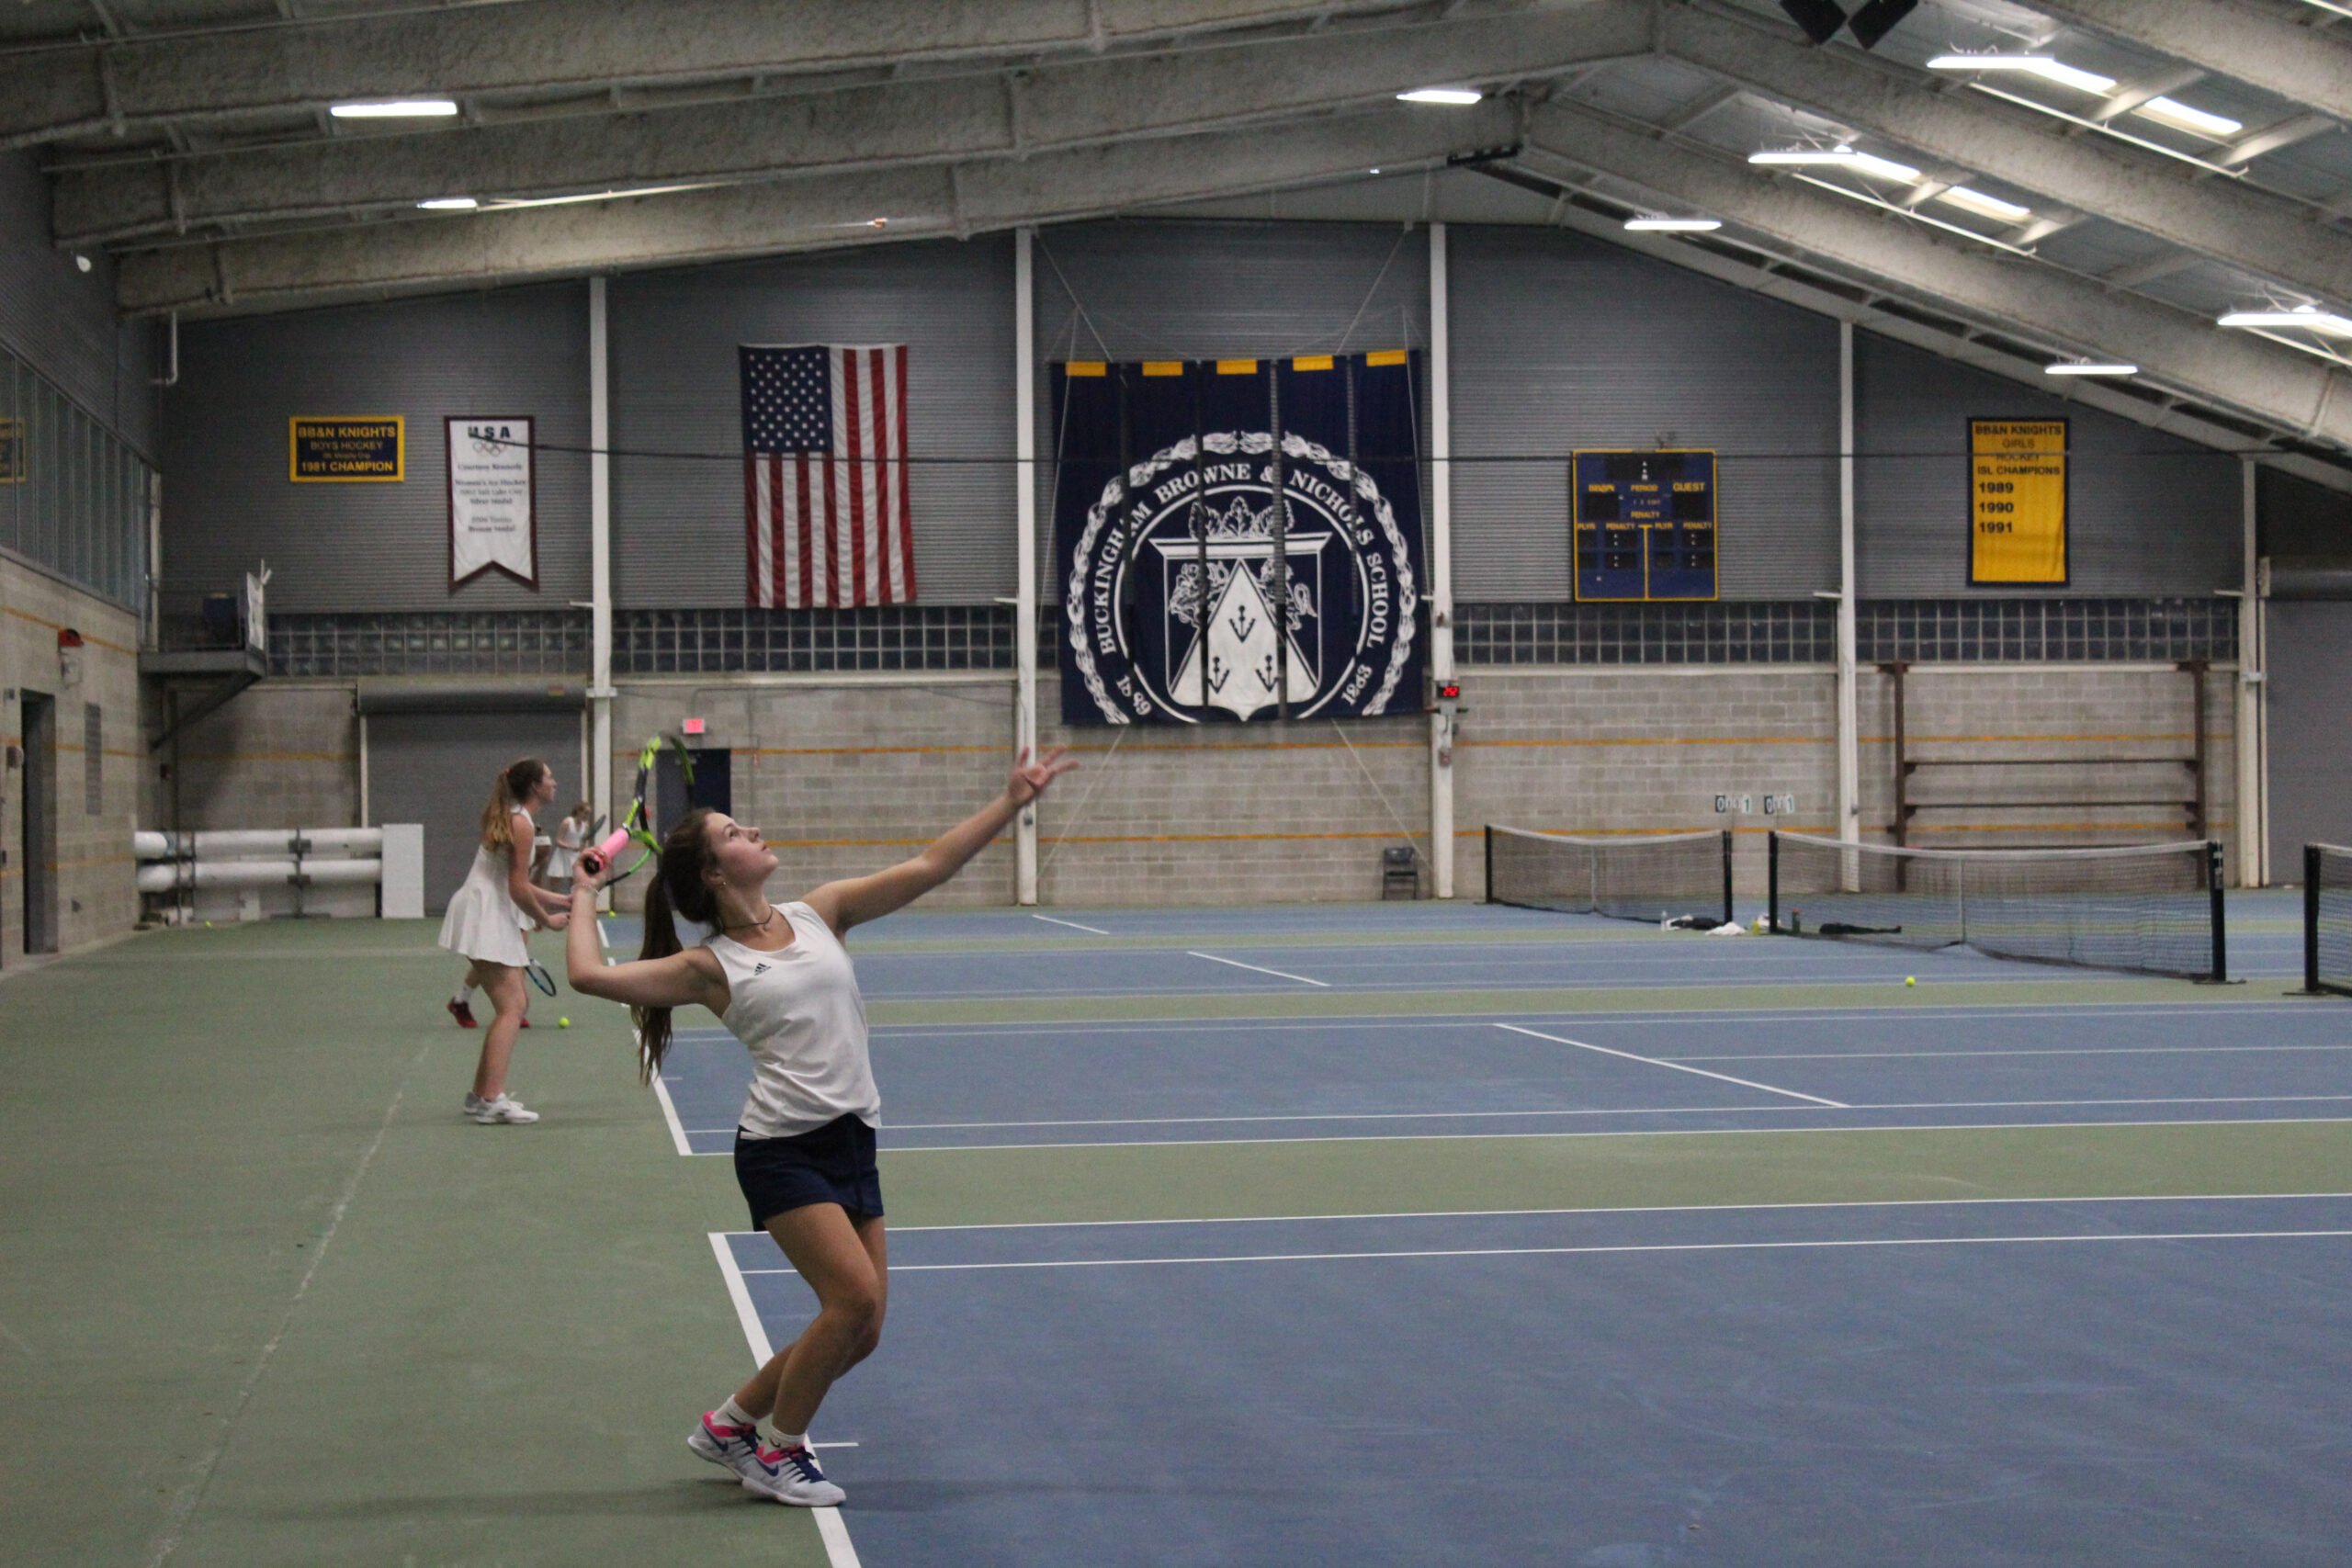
832 1164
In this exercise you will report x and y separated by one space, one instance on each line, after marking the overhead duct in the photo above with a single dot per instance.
2308 576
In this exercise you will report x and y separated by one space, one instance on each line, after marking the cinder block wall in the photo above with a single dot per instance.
844 776
97 890
281 754
2074 711
1607 750
849 773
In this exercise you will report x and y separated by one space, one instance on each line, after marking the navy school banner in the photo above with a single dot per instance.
1187 597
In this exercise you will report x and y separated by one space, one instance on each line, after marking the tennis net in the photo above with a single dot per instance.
1655 877
2152 908
2327 918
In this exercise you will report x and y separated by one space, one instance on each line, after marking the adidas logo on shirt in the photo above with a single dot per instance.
759 968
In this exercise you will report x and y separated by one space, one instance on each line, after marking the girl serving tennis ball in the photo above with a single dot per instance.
485 922
780 980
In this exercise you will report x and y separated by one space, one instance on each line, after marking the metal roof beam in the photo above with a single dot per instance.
823 212
138 82
2276 387
1000 115
2245 228
2258 45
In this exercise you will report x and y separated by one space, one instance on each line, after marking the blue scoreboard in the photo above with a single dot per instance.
1643 525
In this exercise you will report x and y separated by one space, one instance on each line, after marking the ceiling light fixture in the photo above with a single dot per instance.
1671 225
1443 96
2180 117
1838 157
2089 368
499 205
449 204
397 108
2039 65
2305 318
1983 206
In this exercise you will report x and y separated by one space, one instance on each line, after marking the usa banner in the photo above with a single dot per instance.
828 520
1239 539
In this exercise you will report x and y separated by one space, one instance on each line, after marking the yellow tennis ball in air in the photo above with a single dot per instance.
563 1023
1910 979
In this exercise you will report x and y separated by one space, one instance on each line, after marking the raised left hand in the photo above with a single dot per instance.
1031 777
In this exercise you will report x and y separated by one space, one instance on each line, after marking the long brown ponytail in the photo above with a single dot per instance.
677 888
506 797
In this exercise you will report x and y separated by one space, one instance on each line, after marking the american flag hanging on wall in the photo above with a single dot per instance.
825 508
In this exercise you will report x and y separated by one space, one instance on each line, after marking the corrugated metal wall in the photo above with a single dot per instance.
372 546
2310 731
2146 514
1211 289
1563 342
1560 342
60 321
679 522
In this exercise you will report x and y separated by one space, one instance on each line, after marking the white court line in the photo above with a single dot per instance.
1638 1209
2075 1051
1609 1111
754 1331
1278 974
1071 924
1656 1062
1643 1246
1654 1019
183 1506
839 1552
1647 1132
669 1115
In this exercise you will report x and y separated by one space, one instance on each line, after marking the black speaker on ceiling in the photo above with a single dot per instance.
1819 18
1876 20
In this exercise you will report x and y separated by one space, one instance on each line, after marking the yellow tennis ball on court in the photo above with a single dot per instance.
563 1023
1910 979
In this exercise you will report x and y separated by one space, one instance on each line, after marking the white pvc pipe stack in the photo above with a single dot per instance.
148 844
259 857
162 876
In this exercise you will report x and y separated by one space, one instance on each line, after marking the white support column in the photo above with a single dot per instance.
1849 739
1441 567
600 555
2253 784
1024 510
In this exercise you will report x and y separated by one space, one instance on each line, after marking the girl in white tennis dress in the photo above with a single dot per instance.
780 980
485 922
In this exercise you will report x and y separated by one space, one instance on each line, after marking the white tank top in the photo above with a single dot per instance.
799 1014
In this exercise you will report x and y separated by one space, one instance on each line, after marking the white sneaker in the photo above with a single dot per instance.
790 1475
737 1448
504 1109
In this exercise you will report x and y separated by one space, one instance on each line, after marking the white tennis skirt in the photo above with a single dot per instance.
482 921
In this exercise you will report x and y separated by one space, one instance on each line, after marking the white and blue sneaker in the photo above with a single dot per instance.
790 1475
737 1448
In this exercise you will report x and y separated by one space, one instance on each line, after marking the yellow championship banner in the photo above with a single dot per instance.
368 449
2016 500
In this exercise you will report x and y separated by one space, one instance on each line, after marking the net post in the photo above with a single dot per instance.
1728 916
1773 899
2220 937
2312 863
1489 896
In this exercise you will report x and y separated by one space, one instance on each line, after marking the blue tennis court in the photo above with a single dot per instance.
2155 1383
1246 1278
